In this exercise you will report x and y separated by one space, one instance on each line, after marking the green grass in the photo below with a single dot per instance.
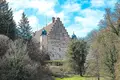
72 78
77 78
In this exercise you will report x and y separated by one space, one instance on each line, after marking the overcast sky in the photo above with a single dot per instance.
80 16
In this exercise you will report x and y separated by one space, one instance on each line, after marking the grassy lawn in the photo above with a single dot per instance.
77 78
72 78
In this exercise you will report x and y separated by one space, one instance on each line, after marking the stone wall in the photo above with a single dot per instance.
58 42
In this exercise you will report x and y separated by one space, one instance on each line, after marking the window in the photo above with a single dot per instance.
53 49
59 49
59 56
63 34
52 55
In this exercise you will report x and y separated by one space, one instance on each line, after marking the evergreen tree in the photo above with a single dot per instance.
24 30
77 52
7 24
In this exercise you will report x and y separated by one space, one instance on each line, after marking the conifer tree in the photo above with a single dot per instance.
24 30
77 52
7 24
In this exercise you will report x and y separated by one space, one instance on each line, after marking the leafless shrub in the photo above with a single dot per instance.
35 53
17 65
4 44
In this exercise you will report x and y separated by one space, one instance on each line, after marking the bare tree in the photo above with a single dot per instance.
17 64
35 53
4 44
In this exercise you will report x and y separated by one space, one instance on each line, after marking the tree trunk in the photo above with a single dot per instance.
98 77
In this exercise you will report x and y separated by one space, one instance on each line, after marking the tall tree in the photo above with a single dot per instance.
93 61
7 24
24 30
77 52
112 19
109 42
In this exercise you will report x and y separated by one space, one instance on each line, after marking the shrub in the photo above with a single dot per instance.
4 44
17 65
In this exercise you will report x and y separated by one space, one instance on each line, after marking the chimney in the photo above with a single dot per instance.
53 19
58 18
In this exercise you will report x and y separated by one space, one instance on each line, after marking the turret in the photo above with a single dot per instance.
74 36
53 19
44 32
43 39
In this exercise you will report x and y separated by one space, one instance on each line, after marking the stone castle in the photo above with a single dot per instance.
55 39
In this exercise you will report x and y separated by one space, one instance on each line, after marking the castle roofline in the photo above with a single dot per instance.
49 26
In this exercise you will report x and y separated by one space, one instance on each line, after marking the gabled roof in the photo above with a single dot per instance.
48 28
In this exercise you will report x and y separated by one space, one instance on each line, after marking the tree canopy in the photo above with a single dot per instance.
7 24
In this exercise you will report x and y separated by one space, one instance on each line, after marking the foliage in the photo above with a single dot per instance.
109 42
94 58
35 53
77 53
24 30
17 65
7 24
105 50
90 36
12 65
112 19
4 44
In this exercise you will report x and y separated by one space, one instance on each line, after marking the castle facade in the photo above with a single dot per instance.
55 39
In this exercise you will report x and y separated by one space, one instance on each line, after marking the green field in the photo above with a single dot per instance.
77 78
71 78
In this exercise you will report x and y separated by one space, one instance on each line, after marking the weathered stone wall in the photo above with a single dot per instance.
58 41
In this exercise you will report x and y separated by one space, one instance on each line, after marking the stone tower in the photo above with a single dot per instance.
44 40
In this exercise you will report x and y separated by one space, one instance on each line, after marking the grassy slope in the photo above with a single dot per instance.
71 78
77 78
